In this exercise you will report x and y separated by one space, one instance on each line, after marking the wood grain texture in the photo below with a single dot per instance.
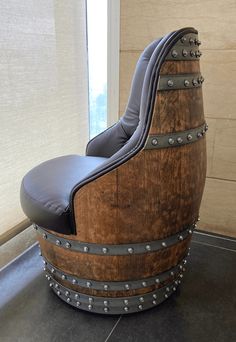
151 196
114 268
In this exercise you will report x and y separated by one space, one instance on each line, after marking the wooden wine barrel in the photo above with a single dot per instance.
134 224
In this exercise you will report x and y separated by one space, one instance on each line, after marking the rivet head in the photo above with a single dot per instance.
186 83
199 135
198 53
51 284
180 267
126 308
105 250
184 261
58 293
105 287
181 275
78 303
144 284
56 286
190 231
67 293
166 295
154 302
154 142
74 281
179 140
174 53
68 300
63 277
140 306
154 296
170 83
179 281
67 245
174 288
194 82
189 137
86 249
76 296
44 236
141 299
183 39
181 238
172 274
127 287
44 269
130 250
167 289
105 309
164 244
191 41
52 270
157 281
105 302
126 302
90 307
88 284
148 247
184 53
171 141
58 242
90 299
192 53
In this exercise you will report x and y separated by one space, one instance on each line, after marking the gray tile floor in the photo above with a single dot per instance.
203 309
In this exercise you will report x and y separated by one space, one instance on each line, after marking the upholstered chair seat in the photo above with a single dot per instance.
46 189
115 225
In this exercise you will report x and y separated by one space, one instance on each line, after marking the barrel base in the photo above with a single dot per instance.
114 306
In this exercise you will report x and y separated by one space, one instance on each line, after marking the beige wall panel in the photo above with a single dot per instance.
224 153
210 136
219 89
144 21
128 62
218 212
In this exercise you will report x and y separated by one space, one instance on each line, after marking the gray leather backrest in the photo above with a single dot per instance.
115 137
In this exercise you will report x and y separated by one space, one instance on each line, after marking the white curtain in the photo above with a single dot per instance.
43 90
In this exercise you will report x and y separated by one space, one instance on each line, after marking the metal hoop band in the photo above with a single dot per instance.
122 249
176 139
180 81
115 285
110 305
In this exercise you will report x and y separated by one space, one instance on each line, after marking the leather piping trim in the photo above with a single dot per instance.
171 41
121 249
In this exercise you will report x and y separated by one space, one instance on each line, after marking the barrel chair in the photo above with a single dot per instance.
115 226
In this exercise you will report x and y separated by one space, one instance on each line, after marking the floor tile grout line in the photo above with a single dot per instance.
19 256
215 236
208 244
114 327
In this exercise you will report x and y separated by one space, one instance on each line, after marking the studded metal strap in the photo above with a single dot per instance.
114 285
180 81
187 48
176 139
110 305
122 249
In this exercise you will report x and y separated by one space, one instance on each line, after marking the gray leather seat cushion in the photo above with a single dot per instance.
46 189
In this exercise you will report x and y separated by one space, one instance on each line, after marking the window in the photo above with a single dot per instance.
97 62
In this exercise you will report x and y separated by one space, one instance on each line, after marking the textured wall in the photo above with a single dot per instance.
144 21
43 102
